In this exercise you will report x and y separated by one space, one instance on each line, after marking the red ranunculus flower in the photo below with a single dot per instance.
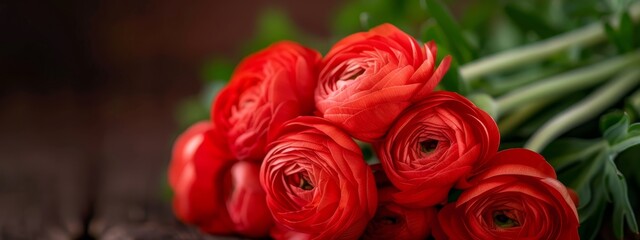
212 190
196 175
393 221
317 181
268 88
247 203
279 232
435 144
368 78
514 196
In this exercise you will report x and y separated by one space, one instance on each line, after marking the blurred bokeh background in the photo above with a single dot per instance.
88 99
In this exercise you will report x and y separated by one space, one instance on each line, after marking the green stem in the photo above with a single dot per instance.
591 168
565 83
584 110
510 122
585 36
560 163
521 79
634 101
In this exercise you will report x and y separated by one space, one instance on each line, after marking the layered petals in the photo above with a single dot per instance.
317 181
247 203
434 145
368 78
267 89
515 196
393 221
197 174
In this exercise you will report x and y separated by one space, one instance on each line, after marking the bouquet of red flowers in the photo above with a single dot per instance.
282 156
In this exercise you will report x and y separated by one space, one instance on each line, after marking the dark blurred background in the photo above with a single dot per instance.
88 98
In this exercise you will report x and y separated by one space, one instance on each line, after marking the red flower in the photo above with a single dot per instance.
266 89
212 190
196 174
515 196
317 181
368 78
435 144
247 201
393 221
279 232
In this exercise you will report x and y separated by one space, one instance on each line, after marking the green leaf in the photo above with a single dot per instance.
217 70
613 37
273 25
430 31
346 20
618 5
595 202
619 133
625 32
452 81
586 172
589 167
633 102
564 153
479 13
209 92
402 13
622 210
614 125
529 21
589 230
632 138
460 47
191 111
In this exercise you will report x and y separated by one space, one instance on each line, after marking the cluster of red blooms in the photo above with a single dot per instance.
278 157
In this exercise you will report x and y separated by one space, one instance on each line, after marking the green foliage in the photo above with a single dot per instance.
589 167
456 42
360 15
452 81
530 20
624 37
191 111
197 108
218 69
273 25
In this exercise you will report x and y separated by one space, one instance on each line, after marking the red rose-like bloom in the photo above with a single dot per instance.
433 145
268 88
393 221
212 190
279 232
515 196
368 78
247 203
197 171
317 181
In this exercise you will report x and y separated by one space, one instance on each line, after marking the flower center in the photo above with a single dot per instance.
388 220
502 219
305 185
385 216
428 146
349 76
301 181
353 74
